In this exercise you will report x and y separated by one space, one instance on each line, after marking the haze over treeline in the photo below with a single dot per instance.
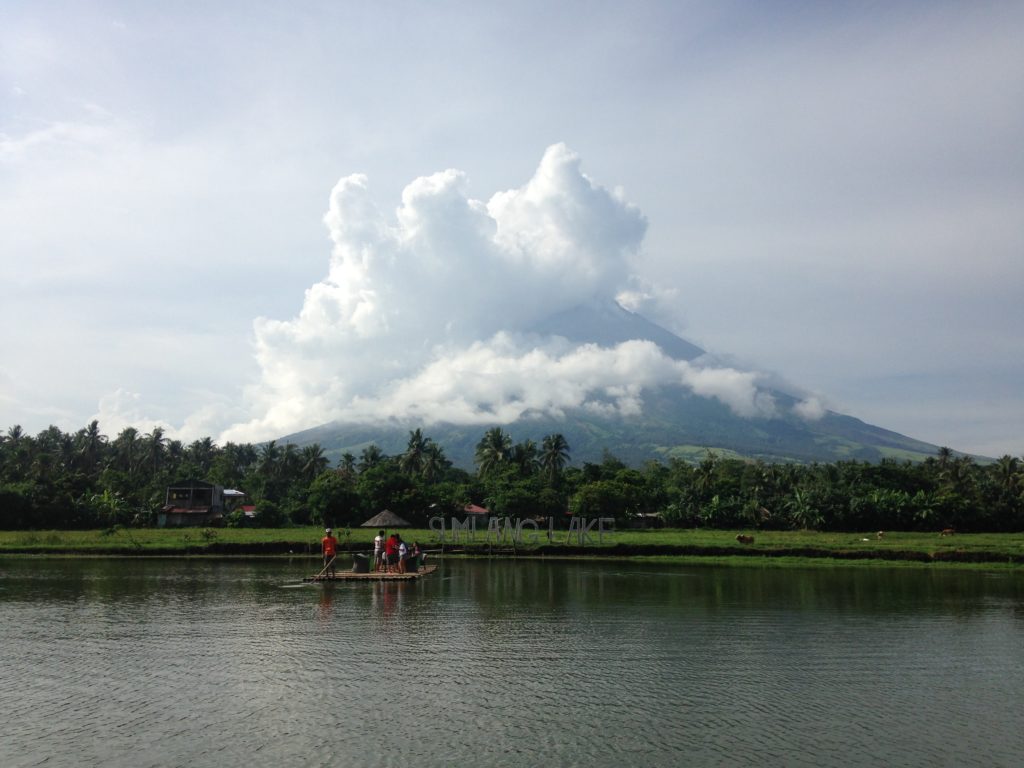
57 480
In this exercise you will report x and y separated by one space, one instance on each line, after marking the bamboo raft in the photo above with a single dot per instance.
426 570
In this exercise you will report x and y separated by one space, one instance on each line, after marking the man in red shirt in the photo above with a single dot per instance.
391 553
329 545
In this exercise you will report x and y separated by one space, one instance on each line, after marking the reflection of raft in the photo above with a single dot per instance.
426 570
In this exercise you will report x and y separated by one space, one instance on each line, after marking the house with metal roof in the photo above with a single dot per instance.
195 503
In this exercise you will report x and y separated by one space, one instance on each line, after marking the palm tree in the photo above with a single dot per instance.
958 473
492 451
945 456
126 449
90 444
434 462
347 464
201 453
270 455
43 466
411 461
155 447
18 448
1007 474
705 480
290 461
175 454
554 455
370 457
524 457
313 461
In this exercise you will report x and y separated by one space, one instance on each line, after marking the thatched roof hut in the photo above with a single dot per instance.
385 519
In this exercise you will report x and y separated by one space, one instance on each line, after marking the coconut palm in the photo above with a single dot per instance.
554 455
155 448
411 462
524 457
90 445
126 450
270 455
313 462
434 462
370 457
492 452
347 464
290 461
705 479
945 457
175 455
17 451
1007 472
201 452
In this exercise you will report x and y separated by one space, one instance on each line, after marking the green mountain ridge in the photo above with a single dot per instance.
674 424
674 421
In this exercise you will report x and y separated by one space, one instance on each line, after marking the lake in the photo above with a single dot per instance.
172 662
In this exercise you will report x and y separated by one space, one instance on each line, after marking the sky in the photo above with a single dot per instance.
245 219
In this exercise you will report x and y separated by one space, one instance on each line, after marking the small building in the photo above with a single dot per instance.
194 502
482 515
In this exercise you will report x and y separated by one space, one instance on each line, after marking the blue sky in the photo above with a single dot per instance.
829 192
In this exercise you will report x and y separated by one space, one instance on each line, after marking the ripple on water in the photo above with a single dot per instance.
509 664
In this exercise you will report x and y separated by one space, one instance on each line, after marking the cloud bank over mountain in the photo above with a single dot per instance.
427 317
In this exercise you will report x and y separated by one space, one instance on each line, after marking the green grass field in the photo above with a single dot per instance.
676 544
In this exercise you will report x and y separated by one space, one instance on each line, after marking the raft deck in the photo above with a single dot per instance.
426 570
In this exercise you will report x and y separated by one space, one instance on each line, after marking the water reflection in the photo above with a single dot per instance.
169 662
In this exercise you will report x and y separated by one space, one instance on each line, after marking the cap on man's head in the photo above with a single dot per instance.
328 530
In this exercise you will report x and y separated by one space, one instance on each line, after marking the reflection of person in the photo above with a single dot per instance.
378 550
326 600
329 545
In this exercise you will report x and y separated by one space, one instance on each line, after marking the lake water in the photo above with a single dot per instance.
229 663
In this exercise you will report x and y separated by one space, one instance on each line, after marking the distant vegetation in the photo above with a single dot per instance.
56 480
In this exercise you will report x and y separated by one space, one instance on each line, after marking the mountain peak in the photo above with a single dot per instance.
607 323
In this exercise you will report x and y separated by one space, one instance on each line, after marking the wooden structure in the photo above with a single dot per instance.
375 576
192 502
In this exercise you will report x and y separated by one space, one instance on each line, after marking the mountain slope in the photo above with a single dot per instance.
674 422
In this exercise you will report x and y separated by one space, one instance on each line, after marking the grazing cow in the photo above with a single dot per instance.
947 532
743 538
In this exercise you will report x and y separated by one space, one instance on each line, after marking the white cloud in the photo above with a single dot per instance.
737 389
427 317
120 409
60 133
810 409
123 408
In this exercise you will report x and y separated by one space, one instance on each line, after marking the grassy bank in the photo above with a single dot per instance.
691 544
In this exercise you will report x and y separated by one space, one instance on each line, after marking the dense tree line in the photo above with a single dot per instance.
85 480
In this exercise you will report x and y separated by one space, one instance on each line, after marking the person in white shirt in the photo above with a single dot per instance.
378 551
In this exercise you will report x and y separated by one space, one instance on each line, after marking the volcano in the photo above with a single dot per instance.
674 422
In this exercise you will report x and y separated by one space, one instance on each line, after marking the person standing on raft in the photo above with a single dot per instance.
329 545
391 553
378 551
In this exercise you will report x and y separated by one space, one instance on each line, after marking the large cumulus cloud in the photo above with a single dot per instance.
426 315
